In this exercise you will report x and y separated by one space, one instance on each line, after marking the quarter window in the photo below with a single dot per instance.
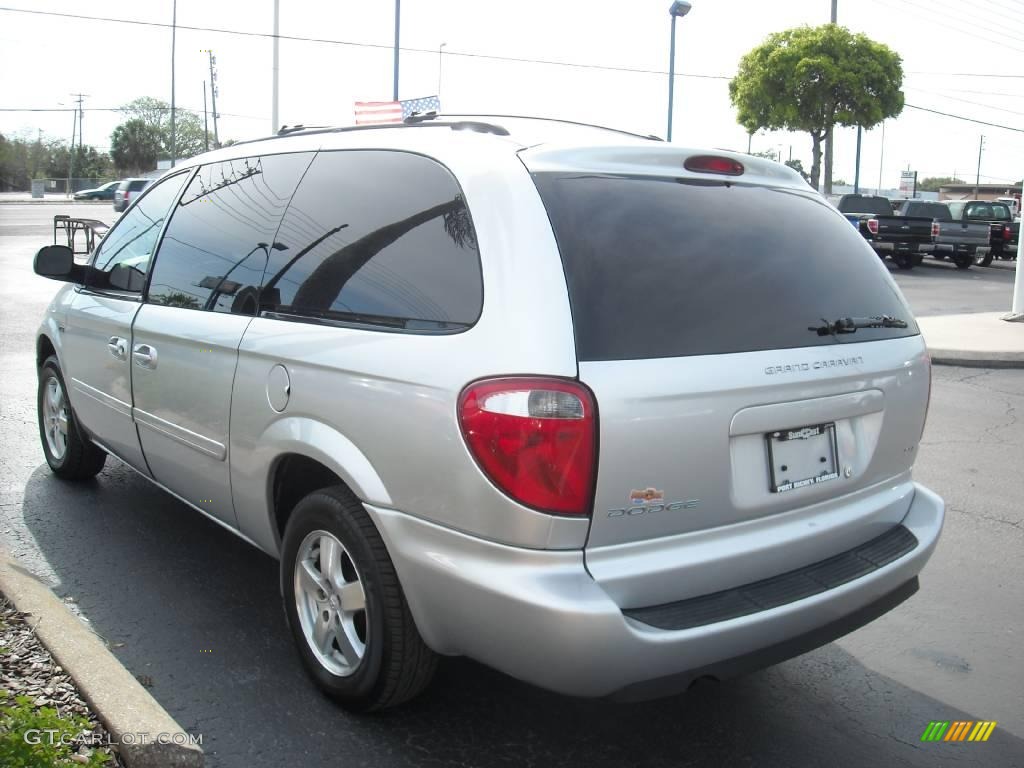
376 238
124 255
215 248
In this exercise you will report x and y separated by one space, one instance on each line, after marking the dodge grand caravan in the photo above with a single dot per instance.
601 412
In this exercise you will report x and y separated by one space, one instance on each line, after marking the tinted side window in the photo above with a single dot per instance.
665 267
125 252
135 186
215 248
378 238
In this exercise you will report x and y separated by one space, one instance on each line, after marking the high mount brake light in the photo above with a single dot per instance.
714 164
535 439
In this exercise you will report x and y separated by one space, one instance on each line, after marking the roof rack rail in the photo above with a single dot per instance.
649 136
427 120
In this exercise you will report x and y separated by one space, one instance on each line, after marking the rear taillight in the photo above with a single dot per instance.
536 439
1007 233
935 229
873 226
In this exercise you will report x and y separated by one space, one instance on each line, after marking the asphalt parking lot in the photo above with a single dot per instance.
197 611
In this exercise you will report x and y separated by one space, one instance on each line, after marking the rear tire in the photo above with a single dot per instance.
366 658
69 452
963 261
986 259
903 260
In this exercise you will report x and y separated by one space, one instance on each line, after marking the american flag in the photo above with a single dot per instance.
371 112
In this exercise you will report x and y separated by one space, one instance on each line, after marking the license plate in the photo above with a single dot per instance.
802 457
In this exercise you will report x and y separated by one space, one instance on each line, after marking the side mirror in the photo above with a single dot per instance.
56 262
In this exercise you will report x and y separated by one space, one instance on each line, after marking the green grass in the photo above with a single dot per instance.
20 719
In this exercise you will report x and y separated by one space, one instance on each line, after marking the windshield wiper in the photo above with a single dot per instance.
851 324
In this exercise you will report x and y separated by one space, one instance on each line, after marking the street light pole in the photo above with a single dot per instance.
274 124
677 9
440 50
398 21
174 31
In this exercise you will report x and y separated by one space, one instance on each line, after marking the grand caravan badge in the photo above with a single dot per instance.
647 501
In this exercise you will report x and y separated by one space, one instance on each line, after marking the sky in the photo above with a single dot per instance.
944 44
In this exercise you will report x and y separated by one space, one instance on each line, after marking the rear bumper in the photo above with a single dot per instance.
539 615
901 247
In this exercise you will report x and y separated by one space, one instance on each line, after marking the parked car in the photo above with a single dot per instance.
1004 231
105 192
127 190
1013 204
488 394
960 240
904 239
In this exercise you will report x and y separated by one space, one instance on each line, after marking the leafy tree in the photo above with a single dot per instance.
811 78
932 183
798 166
134 146
190 138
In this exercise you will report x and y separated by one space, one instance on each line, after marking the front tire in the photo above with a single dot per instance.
986 259
70 453
346 608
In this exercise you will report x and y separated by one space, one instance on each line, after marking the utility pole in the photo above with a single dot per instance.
828 133
213 98
881 161
174 35
71 154
79 98
977 178
856 173
206 124
274 124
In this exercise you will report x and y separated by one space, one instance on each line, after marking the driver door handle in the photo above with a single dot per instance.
144 356
118 347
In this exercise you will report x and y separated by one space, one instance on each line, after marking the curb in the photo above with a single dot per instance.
117 698
968 359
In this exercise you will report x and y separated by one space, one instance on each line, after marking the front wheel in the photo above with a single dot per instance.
985 259
70 454
346 608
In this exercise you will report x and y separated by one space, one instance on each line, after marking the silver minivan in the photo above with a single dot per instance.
601 412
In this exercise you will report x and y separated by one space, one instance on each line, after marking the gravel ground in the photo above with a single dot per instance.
28 669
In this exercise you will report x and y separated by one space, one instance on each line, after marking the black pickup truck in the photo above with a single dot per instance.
1003 230
906 239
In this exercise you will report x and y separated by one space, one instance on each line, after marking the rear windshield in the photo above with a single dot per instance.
669 268
135 186
988 211
928 210
861 204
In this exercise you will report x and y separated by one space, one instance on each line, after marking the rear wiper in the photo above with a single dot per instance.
851 324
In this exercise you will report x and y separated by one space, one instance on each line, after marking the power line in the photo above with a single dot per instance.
917 13
118 109
961 117
381 46
965 74
997 27
967 101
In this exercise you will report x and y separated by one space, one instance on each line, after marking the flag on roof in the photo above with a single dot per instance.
373 112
